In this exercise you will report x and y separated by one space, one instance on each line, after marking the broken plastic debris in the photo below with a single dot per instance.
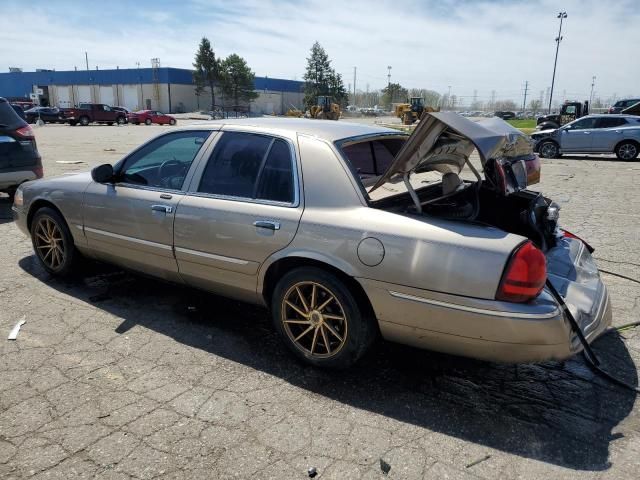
384 466
312 472
69 162
480 460
14 332
109 149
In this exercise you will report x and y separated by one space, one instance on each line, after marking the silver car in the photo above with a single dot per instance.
346 232
619 134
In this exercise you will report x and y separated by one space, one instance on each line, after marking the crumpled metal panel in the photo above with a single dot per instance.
443 141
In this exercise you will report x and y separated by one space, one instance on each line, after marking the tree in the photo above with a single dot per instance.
337 90
535 105
321 79
207 69
394 92
237 79
505 105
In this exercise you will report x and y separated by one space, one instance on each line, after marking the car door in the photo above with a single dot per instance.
577 136
130 221
243 204
607 133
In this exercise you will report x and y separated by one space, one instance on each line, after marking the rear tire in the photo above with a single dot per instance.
549 149
110 123
319 319
627 151
52 242
172 121
147 121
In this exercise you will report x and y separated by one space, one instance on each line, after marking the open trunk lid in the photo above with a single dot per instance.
443 142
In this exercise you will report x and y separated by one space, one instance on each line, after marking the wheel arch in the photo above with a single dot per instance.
281 266
37 205
627 140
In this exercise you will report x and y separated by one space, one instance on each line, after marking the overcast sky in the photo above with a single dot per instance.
481 45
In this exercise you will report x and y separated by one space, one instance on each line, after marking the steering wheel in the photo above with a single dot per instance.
165 175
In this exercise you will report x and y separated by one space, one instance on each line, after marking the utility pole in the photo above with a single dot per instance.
526 88
354 83
389 76
593 83
449 97
561 16
86 59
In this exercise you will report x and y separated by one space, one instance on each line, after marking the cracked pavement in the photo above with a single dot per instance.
118 376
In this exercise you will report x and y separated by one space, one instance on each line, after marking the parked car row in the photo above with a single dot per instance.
87 113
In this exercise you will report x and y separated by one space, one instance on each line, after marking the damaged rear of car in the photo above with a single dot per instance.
521 321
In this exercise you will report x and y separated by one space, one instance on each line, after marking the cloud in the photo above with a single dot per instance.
468 45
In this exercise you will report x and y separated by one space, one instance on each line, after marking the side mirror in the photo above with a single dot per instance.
102 173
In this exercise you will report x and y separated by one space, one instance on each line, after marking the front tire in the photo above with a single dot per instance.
549 149
120 120
627 151
84 121
319 319
147 121
52 242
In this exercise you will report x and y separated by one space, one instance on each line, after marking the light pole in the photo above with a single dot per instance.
561 16
593 83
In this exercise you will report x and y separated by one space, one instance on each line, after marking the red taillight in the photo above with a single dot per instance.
38 171
525 275
25 132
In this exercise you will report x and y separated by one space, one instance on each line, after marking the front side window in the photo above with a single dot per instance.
583 124
165 161
250 166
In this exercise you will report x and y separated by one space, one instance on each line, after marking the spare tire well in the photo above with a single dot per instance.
280 267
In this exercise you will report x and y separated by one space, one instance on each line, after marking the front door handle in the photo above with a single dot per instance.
162 208
587 133
270 224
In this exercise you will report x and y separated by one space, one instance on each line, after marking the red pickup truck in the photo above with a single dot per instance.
87 113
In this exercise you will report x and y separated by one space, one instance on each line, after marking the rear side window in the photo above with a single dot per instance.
251 166
9 117
610 122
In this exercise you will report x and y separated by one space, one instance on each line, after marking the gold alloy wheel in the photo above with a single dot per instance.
314 319
49 243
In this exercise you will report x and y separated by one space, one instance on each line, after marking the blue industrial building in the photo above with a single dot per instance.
167 89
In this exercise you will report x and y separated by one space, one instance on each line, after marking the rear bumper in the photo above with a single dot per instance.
14 178
482 329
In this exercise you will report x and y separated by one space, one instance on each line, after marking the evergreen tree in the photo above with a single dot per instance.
321 79
237 79
207 69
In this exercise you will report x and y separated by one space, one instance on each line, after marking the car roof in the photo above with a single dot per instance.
330 130
608 115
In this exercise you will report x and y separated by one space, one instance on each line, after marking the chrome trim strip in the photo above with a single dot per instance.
129 239
79 227
480 311
237 261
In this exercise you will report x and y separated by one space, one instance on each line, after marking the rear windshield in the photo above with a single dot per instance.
371 158
9 119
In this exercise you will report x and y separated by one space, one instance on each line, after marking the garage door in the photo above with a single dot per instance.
84 94
62 94
130 94
106 95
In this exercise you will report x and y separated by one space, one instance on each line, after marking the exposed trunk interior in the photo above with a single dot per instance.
525 213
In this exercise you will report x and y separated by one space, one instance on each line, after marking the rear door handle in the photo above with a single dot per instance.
162 208
270 224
